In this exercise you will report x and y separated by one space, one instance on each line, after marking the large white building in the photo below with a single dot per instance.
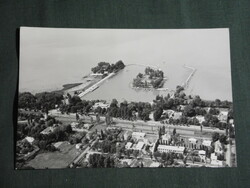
174 149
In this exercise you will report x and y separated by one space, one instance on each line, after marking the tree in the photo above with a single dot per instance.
174 131
164 156
77 117
48 100
119 64
68 129
114 103
179 89
223 139
159 132
217 102
189 111
26 100
140 75
157 114
98 118
144 115
214 111
215 136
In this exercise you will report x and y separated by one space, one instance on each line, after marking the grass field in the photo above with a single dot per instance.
57 159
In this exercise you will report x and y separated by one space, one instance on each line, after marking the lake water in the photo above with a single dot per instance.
50 58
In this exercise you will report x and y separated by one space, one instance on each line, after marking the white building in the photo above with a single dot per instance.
154 164
177 115
139 146
138 135
168 112
223 116
218 147
166 139
78 146
174 149
29 139
48 130
100 104
206 143
192 140
200 119
215 161
129 145
202 155
57 144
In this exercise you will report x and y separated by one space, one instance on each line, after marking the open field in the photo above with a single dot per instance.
57 159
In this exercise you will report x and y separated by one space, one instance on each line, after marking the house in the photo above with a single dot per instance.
77 127
218 147
206 143
166 139
192 140
200 119
223 116
78 146
129 145
138 135
57 144
231 121
174 149
100 104
48 130
29 139
87 126
168 112
127 134
202 155
155 165
177 115
215 161
139 146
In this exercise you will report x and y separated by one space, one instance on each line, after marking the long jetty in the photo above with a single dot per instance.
185 84
95 86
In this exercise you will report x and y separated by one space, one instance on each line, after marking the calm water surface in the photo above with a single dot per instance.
50 58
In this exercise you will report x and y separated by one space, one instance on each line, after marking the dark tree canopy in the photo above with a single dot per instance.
157 114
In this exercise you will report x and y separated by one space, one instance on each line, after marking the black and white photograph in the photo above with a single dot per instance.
124 98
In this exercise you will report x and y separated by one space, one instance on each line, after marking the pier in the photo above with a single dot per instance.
185 84
95 86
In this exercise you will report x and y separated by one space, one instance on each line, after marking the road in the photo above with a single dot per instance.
79 158
137 123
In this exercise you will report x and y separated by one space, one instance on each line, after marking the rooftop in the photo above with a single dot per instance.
176 148
138 134
139 145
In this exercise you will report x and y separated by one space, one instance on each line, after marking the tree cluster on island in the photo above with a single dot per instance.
150 79
104 67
